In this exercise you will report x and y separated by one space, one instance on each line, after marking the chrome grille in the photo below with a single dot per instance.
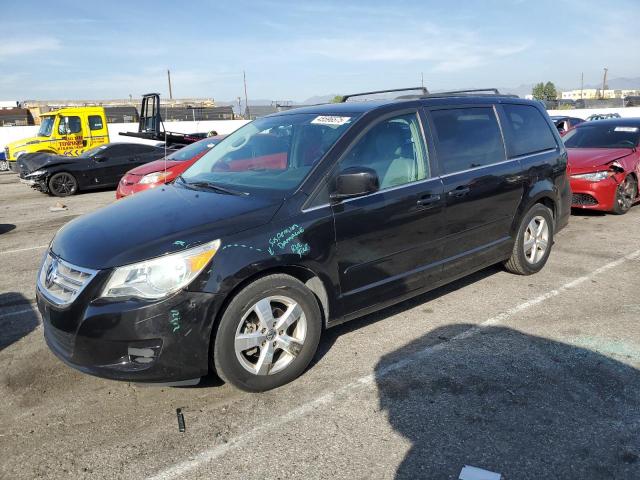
60 282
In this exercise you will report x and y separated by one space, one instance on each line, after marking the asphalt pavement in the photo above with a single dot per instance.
530 377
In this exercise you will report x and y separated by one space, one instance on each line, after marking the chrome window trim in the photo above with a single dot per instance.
479 168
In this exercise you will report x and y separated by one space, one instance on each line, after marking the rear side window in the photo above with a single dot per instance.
467 138
530 132
95 122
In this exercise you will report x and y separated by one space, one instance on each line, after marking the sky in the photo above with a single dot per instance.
292 50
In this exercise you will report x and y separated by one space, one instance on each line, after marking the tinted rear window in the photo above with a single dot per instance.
529 131
467 138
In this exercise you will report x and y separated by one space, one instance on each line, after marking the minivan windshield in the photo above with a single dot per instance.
46 126
602 135
269 154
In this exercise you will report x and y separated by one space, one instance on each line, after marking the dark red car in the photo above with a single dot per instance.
160 172
604 164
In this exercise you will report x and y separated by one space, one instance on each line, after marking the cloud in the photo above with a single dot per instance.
437 48
27 46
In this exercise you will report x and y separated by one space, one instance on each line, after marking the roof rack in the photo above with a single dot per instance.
473 90
424 92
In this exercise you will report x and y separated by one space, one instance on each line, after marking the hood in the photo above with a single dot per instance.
30 162
157 222
157 166
15 145
586 159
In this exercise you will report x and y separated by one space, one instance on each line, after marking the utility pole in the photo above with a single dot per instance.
581 85
169 78
422 79
246 98
604 81
239 107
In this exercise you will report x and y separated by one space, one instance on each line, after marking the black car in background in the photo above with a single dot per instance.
564 124
99 167
297 222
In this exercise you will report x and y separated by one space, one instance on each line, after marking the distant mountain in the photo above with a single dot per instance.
619 84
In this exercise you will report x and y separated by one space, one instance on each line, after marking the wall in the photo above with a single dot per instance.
9 134
585 112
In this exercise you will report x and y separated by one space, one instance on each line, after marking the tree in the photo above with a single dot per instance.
538 91
544 91
337 99
550 91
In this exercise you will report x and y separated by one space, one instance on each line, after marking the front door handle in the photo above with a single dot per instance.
459 192
428 201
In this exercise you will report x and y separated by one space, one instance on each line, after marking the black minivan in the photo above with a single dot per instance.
297 222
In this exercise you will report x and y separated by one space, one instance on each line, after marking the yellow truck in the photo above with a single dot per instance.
68 131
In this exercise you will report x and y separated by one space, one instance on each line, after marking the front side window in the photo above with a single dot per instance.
467 138
95 122
530 132
394 149
271 154
607 135
46 126
69 125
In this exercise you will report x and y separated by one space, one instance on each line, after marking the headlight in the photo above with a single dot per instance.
37 173
155 177
18 153
160 276
593 177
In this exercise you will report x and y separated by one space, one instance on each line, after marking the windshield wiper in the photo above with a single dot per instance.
213 187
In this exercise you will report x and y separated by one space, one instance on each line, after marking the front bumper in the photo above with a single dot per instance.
594 195
132 340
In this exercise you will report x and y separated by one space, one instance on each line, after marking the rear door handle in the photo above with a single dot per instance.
459 192
428 201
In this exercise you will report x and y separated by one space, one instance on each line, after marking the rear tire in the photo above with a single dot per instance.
268 334
63 184
533 242
626 195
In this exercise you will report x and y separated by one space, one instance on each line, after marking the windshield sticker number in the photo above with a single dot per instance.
626 129
330 120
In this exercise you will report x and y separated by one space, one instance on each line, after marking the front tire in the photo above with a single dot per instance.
626 195
63 184
268 334
533 242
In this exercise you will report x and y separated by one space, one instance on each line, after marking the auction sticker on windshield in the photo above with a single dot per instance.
330 120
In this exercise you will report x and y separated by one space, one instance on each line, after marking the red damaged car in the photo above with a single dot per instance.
160 172
604 164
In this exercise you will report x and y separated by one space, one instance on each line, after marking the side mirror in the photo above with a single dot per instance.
99 158
354 182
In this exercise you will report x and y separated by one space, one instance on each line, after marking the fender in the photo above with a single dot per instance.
280 247
542 191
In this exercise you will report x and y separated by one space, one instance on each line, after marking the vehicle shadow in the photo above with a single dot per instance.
18 318
330 335
6 227
579 212
512 403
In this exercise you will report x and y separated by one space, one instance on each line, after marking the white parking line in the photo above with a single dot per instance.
182 468
24 249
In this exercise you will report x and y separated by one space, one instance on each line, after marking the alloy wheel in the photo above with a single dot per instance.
270 335
536 239
626 194
63 184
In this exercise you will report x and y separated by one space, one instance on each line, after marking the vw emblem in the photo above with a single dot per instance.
51 273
